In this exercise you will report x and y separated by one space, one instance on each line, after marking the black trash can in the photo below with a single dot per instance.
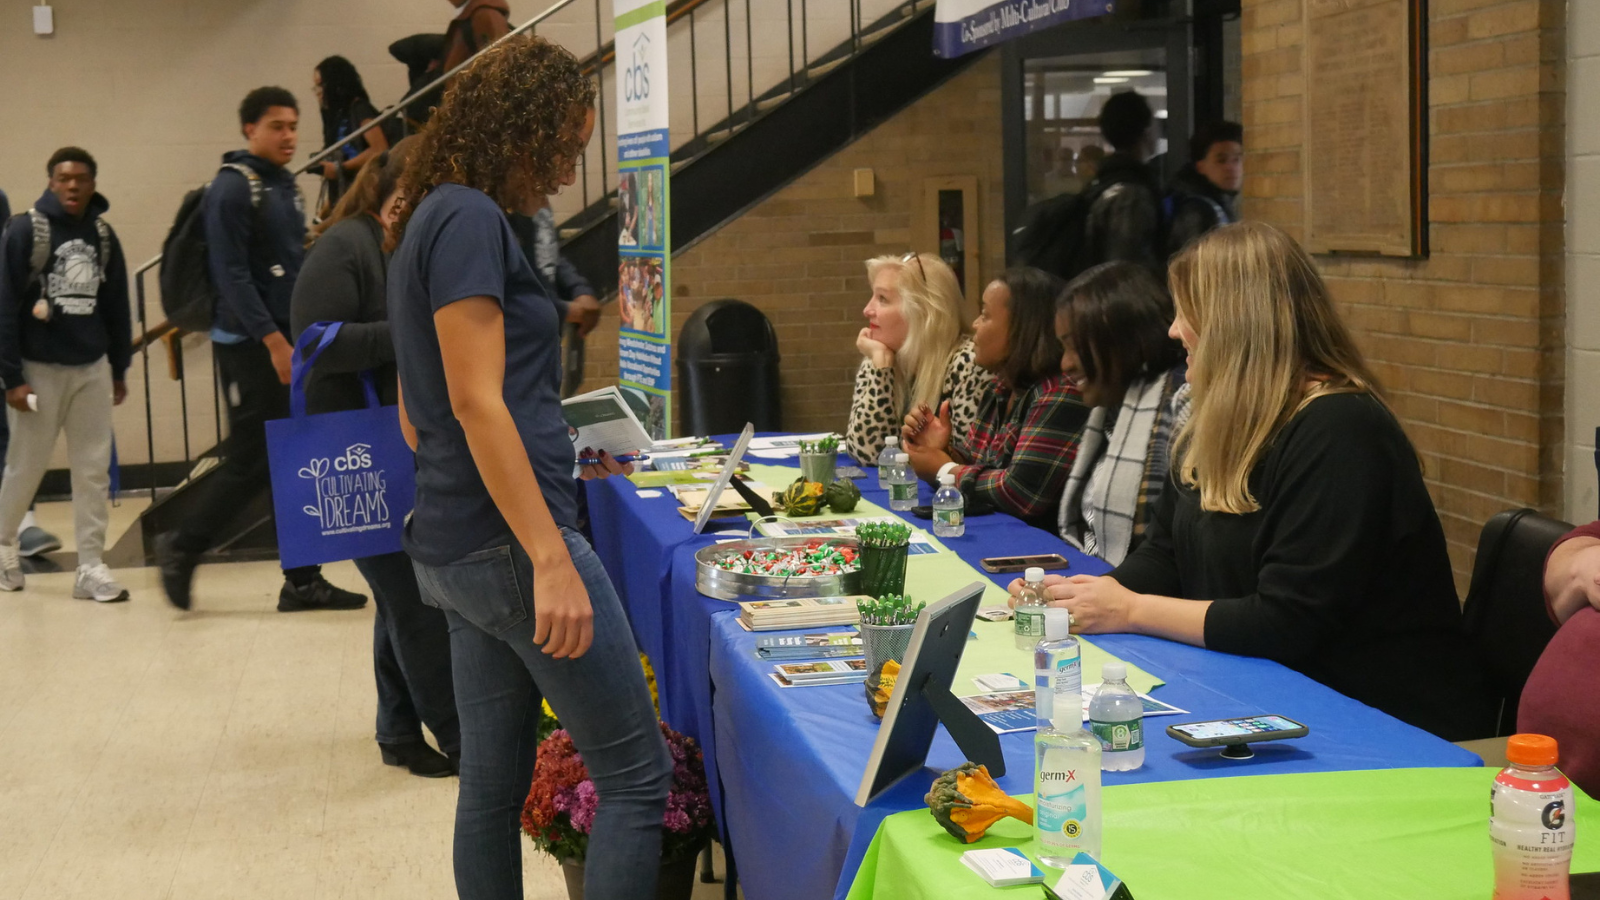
728 369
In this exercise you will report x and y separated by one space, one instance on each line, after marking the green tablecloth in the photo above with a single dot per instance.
931 576
1390 833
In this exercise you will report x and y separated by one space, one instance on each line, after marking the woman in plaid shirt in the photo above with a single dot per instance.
1015 457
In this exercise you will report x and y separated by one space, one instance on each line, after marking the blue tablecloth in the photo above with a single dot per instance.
784 763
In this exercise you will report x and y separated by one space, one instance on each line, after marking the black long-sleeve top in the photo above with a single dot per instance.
345 279
1342 573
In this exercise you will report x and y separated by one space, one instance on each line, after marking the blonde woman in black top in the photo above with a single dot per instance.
1297 526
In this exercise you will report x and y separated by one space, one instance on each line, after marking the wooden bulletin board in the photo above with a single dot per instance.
1365 127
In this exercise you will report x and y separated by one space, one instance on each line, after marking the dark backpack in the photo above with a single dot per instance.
1054 235
188 295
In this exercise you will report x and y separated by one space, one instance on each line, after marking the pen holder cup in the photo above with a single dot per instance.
820 467
880 643
883 569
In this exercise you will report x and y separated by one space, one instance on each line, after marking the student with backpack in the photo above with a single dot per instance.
65 344
1125 217
253 241
1117 216
1205 193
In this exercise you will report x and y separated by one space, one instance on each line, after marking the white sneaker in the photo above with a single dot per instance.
95 583
10 568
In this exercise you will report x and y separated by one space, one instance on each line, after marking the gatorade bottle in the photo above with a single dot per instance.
1530 822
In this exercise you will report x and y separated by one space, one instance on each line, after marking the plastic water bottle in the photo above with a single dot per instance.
1116 716
1027 614
1066 788
891 446
1057 671
902 483
1530 822
949 509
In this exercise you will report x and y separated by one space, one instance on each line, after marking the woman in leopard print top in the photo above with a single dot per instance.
916 352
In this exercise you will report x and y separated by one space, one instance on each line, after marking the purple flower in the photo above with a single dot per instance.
584 806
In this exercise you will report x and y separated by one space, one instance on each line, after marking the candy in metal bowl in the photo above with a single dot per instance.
779 568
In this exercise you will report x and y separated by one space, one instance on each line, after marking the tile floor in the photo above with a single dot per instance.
222 753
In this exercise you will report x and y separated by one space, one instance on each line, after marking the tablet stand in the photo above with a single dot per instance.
977 741
756 501
1238 751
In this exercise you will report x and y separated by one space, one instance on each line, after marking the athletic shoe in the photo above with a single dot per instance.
418 758
177 570
95 583
35 541
317 594
10 569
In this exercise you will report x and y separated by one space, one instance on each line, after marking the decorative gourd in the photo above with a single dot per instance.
880 686
803 498
843 495
966 801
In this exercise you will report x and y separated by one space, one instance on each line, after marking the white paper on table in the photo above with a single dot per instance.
775 454
787 442
1152 706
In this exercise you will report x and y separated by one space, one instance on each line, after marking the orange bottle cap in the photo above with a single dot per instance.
1532 750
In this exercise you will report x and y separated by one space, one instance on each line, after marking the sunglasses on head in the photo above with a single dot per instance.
914 256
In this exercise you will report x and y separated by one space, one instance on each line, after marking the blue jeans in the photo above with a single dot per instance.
410 657
600 697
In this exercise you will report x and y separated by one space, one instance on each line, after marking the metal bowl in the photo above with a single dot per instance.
725 585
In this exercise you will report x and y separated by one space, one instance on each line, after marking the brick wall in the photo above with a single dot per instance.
1470 342
798 255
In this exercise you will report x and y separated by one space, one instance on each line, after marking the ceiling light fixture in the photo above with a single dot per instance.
1108 79
1129 73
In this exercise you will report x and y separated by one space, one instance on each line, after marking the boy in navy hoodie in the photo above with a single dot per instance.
255 238
65 344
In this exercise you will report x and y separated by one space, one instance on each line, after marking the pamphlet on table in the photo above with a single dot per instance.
1011 711
799 612
822 671
831 644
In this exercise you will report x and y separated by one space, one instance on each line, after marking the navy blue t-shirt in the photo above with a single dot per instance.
458 244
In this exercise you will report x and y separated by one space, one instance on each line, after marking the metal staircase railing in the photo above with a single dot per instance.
781 59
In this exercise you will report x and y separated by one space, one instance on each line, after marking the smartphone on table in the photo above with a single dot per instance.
1243 730
998 564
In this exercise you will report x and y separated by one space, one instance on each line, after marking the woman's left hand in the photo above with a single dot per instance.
605 468
1099 603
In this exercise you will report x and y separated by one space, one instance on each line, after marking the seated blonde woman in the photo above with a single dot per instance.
916 352
1297 526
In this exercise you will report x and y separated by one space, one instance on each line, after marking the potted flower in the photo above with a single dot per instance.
561 806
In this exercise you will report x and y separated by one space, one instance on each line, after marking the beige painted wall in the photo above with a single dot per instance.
151 88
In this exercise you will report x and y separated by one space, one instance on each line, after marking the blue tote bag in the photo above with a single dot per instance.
342 482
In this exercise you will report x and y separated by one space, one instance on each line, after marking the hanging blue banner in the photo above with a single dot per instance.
962 26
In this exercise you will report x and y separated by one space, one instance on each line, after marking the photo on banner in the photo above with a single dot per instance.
644 233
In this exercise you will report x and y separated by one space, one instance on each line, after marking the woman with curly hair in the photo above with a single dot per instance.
493 535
